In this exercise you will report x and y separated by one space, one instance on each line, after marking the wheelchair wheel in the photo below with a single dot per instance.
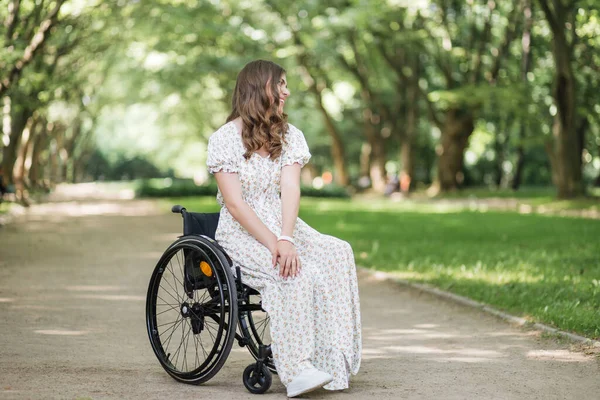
257 379
191 310
254 324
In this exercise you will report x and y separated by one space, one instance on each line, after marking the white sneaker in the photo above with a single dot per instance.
307 380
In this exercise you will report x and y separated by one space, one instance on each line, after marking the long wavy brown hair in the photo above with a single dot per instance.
263 123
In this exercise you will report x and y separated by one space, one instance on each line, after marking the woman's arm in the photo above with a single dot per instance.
290 197
231 189
290 203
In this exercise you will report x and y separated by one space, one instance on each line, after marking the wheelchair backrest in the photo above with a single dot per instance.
200 223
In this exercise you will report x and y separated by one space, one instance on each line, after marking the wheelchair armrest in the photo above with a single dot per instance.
177 209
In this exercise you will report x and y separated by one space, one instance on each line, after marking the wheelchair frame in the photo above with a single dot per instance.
208 269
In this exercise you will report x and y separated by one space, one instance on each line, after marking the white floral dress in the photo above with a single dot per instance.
315 316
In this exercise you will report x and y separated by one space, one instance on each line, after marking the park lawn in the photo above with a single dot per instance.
540 199
543 268
4 207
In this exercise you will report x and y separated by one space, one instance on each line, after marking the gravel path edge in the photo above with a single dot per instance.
465 301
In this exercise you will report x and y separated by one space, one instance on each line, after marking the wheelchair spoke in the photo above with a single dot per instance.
180 343
173 325
175 307
202 346
168 323
207 326
176 297
181 268
262 334
170 294
264 325
174 290
204 296
175 280
185 346
166 303
197 360
168 341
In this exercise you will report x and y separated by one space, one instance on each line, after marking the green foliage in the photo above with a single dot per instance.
173 188
326 191
153 79
122 168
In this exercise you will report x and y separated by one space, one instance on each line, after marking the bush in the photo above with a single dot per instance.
186 187
330 191
173 188
123 168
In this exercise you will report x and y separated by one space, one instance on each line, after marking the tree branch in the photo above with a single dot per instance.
443 66
361 72
35 45
482 42
550 16
12 19
401 74
33 20
509 36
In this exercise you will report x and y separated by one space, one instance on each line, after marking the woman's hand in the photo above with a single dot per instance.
289 262
273 249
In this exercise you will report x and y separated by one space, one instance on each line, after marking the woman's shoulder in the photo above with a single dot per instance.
293 134
225 133
295 148
292 129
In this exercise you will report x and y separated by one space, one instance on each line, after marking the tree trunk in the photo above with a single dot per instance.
365 156
499 150
19 165
40 143
412 119
85 149
548 146
569 180
597 181
340 175
520 161
582 127
377 155
53 164
501 140
457 128
406 173
525 66
57 155
18 121
568 157
79 163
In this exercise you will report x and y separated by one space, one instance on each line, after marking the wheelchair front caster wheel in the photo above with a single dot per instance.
257 379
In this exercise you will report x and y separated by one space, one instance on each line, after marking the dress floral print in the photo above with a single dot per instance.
315 316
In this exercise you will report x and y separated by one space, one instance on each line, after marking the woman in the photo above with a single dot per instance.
307 280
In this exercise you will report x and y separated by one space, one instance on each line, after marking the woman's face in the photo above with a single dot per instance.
283 92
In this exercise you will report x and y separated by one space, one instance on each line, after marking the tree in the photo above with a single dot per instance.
566 151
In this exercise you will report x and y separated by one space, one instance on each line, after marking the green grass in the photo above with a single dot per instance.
541 199
4 207
483 192
544 268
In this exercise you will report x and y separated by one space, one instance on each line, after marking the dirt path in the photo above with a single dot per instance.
73 280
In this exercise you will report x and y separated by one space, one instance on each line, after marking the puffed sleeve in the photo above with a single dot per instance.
221 157
295 149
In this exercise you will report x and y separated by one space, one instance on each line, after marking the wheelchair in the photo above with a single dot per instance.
196 308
